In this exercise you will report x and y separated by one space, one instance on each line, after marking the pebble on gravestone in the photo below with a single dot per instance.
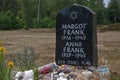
76 37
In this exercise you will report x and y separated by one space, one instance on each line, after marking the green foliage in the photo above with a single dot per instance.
24 60
11 5
19 23
1 5
45 22
59 4
3 68
36 24
27 13
98 7
36 74
24 13
8 21
52 24
114 11
47 8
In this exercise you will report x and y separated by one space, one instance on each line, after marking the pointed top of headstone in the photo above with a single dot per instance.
75 4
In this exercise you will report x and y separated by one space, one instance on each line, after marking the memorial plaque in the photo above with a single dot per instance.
76 36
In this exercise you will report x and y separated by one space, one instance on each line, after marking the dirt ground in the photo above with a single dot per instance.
43 43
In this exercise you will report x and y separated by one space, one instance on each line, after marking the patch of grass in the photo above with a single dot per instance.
24 60
5 69
110 27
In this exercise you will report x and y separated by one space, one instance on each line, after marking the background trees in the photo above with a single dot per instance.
114 11
16 14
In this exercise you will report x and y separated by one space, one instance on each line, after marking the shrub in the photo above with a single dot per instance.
52 24
18 23
44 22
36 23
8 21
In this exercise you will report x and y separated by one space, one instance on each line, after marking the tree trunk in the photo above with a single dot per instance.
38 17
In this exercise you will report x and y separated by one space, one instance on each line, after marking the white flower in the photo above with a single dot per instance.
61 74
88 74
61 78
27 75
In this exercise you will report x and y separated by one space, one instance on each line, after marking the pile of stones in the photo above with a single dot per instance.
65 72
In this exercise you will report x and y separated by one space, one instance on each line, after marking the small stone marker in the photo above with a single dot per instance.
76 37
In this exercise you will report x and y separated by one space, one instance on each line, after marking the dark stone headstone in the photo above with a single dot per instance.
76 36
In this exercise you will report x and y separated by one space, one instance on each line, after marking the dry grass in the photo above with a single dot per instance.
41 40
109 47
43 43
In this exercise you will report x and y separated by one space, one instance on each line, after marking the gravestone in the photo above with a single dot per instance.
76 36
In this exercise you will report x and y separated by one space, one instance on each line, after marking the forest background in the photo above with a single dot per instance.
25 14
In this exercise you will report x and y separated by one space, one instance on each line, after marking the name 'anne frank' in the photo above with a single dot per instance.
75 47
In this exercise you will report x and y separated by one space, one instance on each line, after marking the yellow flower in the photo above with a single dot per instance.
10 64
63 66
3 49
